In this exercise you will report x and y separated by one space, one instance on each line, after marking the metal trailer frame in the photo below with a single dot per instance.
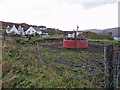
76 38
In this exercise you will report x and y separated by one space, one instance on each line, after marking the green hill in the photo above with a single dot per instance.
93 35
51 31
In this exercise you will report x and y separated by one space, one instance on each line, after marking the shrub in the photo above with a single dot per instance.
93 35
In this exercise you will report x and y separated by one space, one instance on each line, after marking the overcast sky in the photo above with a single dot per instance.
62 14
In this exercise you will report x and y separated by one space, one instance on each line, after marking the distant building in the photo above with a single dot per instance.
57 29
38 30
42 27
21 31
8 30
33 30
14 30
45 35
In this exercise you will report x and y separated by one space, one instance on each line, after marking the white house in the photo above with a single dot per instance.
10 30
21 31
42 27
33 30
14 30
38 30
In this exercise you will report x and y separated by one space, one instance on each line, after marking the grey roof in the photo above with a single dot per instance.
41 26
36 28
9 28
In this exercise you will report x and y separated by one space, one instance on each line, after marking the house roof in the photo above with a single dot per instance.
9 28
37 29
41 26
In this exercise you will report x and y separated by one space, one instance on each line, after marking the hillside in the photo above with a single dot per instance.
51 31
93 35
5 24
115 31
49 65
96 31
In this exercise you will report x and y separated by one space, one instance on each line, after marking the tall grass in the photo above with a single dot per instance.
106 41
22 69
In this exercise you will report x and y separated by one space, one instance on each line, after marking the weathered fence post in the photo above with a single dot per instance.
117 76
40 58
38 50
109 71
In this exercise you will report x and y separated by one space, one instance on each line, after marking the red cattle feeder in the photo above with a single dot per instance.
75 39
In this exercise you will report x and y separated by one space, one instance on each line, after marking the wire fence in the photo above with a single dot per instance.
38 57
118 71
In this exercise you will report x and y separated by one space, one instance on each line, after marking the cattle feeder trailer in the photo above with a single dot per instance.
75 39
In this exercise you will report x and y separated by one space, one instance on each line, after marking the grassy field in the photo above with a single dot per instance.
106 41
49 65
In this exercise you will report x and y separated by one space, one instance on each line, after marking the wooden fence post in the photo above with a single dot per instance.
109 71
40 58
117 71
38 50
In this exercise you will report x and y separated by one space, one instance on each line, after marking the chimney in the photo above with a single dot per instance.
13 25
8 26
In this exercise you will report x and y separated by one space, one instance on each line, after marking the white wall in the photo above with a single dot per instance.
7 31
39 32
30 31
13 29
71 35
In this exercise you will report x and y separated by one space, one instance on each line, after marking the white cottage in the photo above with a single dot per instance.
33 30
10 30
21 31
14 30
42 27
